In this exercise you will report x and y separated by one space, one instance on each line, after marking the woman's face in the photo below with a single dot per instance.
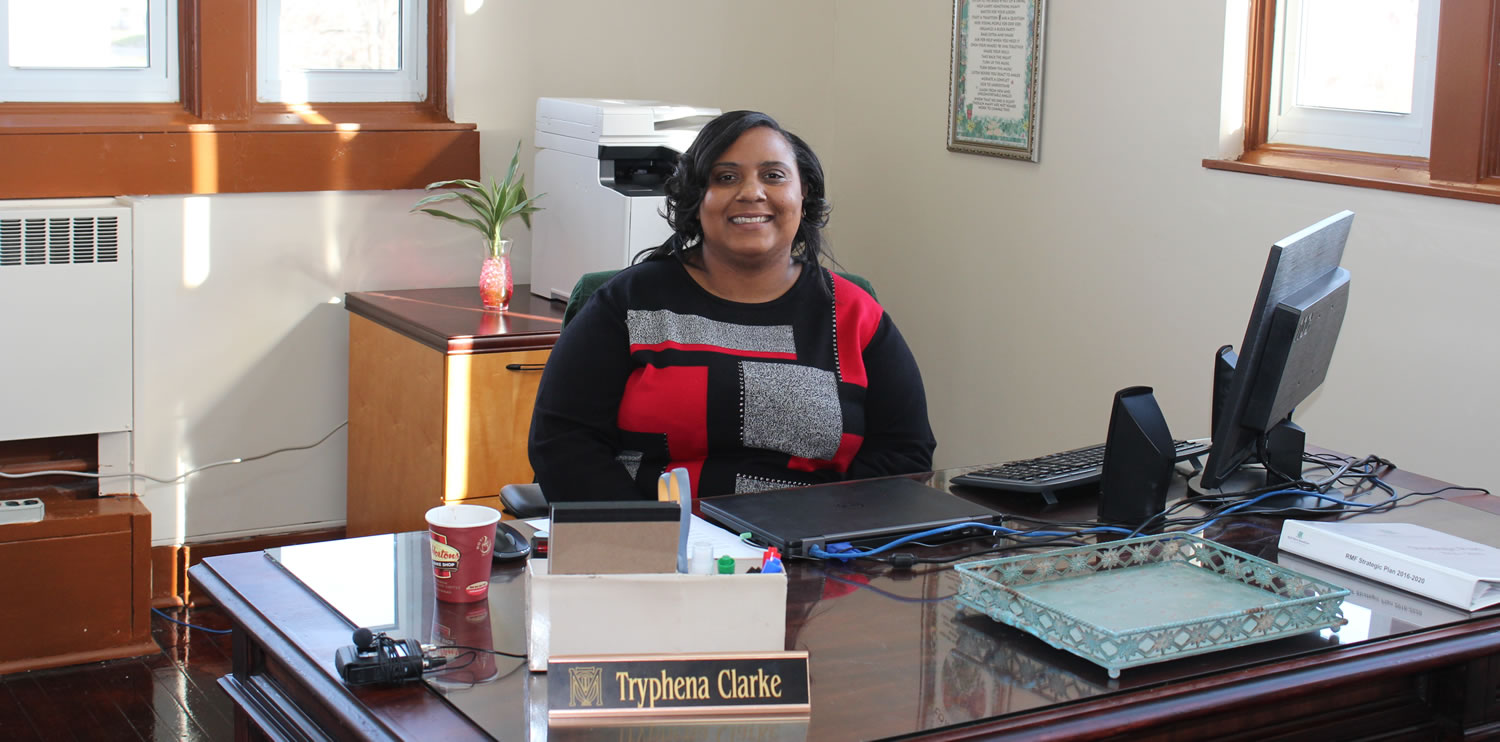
753 205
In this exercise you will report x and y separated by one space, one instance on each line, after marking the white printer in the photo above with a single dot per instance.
602 164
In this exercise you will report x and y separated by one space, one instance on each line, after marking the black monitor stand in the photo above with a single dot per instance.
1284 447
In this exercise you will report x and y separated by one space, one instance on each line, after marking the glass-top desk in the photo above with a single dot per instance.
891 654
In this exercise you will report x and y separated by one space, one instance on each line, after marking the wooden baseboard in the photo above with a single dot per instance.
169 564
136 649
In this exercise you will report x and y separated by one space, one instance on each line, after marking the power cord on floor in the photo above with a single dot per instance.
180 477
190 625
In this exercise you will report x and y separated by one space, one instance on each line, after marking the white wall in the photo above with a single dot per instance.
241 346
775 56
1030 292
249 354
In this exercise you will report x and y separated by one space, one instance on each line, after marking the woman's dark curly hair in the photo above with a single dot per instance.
688 183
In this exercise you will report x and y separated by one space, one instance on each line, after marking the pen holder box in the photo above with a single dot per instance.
651 613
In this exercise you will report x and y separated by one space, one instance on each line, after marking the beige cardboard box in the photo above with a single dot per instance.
651 613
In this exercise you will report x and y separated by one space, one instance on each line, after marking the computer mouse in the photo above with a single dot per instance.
509 543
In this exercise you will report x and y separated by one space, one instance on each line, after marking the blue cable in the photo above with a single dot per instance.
192 626
844 552
1258 498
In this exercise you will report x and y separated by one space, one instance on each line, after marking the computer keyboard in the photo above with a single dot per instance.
1055 471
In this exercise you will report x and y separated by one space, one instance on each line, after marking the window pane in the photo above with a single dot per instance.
78 34
1357 54
340 34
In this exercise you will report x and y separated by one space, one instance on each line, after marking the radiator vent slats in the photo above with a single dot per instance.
59 240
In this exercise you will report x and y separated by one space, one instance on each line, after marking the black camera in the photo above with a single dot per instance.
377 658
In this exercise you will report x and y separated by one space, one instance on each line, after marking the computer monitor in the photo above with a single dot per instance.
1288 344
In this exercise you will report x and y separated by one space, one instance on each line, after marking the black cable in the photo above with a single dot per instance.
482 649
450 667
1060 541
1359 476
1263 449
471 681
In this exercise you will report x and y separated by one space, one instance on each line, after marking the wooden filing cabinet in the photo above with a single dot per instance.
440 398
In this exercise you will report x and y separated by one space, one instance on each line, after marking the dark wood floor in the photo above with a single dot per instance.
172 695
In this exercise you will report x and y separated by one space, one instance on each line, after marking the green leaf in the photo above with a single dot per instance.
508 205
497 196
493 204
449 196
515 161
461 182
486 214
469 222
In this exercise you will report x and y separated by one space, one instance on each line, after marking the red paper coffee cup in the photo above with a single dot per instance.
463 539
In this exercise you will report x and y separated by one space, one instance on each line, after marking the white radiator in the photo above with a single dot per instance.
65 319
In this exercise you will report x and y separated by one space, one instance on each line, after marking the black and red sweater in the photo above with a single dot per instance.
655 373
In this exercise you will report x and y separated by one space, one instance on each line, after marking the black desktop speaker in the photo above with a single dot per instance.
1138 457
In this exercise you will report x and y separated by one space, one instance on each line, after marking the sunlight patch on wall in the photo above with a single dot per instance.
333 262
1232 86
196 221
203 143
179 497
456 486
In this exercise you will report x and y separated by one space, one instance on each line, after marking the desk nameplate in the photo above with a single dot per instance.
774 683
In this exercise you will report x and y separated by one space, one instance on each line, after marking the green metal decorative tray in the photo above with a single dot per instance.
1144 600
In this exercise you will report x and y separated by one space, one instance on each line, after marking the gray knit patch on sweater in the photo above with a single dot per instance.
790 408
663 326
631 460
745 483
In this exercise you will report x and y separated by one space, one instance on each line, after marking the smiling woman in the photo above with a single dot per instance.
214 119
729 350
750 216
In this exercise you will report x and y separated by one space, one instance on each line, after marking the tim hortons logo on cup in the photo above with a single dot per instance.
444 557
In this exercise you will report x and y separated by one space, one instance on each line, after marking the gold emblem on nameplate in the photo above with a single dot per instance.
585 687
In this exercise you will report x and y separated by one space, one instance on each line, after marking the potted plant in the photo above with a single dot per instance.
493 206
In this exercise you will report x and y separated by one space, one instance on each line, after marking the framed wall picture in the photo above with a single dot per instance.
995 81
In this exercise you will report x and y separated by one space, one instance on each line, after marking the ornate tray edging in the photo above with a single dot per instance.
1296 603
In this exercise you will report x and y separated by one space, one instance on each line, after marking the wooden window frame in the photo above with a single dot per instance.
1464 161
218 139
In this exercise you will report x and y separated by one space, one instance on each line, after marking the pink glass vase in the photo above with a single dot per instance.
495 282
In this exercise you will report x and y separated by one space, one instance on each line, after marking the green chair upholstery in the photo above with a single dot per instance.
590 282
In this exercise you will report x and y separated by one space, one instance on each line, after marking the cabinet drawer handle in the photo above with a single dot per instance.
524 366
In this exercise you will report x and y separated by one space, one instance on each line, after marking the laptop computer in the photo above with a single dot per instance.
864 512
